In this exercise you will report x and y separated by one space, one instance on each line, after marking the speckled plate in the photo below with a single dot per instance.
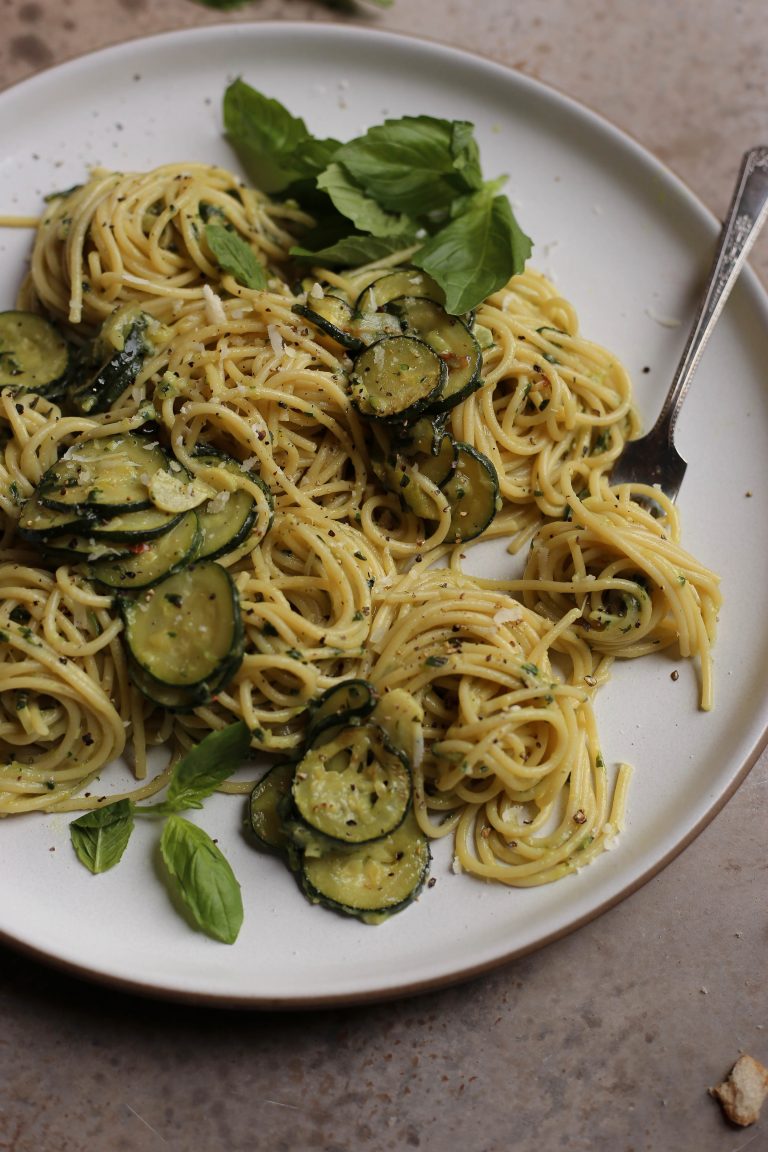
628 244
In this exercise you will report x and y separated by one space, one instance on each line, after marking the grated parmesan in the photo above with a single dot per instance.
214 309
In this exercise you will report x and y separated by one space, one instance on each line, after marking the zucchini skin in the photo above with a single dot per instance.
112 362
266 806
34 355
152 561
372 882
348 702
185 640
473 493
396 379
370 879
352 787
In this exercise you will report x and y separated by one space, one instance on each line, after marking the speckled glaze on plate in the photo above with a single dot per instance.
629 245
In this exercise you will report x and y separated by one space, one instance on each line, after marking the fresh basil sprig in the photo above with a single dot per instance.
415 182
195 865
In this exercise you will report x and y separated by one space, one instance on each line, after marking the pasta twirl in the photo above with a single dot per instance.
343 579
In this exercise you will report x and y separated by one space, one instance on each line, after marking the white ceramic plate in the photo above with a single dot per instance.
629 245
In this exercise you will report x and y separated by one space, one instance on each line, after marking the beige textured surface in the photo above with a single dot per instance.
604 1041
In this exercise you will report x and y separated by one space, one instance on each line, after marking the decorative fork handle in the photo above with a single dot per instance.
746 215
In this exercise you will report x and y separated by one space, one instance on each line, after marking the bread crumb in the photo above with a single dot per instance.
743 1092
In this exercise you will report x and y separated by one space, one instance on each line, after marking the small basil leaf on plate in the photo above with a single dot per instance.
200 772
204 879
99 838
476 253
235 256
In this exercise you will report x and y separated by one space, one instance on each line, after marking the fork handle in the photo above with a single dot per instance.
746 216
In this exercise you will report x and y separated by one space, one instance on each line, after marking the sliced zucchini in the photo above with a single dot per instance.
401 718
396 378
438 466
398 282
171 697
105 475
341 704
178 491
76 549
229 519
397 465
188 630
333 316
353 787
264 808
153 560
113 360
137 527
450 338
374 881
37 521
473 493
34 356
422 438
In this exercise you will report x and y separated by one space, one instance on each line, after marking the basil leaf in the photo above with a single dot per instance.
352 202
99 838
274 147
417 165
205 767
235 256
353 250
476 253
204 879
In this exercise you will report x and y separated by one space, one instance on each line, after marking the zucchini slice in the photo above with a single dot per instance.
264 808
113 360
371 882
37 521
342 704
450 338
78 549
398 282
401 718
333 316
152 560
353 787
398 466
473 493
34 356
104 475
136 527
229 518
396 378
173 698
187 632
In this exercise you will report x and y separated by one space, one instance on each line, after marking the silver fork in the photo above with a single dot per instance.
653 458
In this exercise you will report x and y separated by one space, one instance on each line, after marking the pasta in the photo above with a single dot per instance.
348 582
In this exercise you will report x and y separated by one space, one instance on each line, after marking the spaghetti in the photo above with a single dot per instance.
348 581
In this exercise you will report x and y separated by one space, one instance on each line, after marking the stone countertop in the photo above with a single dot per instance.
606 1040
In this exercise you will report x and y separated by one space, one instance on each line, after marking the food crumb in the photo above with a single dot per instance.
742 1093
